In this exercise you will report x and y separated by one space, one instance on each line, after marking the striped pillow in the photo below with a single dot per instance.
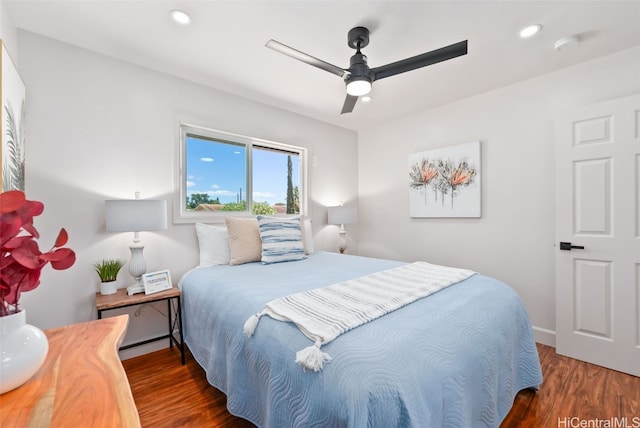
281 239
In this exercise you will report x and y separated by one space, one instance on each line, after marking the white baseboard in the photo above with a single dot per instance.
544 336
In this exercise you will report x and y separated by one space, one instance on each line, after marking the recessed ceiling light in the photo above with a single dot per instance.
365 98
530 30
180 17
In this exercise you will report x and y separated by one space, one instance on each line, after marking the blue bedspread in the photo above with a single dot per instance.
454 359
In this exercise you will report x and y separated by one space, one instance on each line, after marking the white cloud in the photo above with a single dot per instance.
264 195
222 193
190 184
206 159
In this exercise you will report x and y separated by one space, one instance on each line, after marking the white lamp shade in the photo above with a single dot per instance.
343 215
136 215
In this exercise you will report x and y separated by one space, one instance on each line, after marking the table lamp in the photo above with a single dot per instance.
342 215
136 215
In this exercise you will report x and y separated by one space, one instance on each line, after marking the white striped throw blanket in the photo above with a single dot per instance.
323 314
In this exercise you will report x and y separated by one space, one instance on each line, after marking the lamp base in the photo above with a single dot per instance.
137 268
136 287
342 240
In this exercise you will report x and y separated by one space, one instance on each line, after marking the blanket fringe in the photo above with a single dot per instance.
251 324
312 357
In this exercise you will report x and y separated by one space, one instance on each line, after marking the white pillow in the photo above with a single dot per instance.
281 239
307 236
244 240
214 245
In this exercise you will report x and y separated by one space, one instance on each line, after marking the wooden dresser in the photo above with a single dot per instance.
81 383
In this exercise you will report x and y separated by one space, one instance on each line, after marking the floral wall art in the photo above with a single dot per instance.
445 182
12 92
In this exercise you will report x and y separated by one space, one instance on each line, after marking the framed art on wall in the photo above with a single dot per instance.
445 182
12 93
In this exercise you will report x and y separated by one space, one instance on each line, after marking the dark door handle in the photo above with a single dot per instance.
568 247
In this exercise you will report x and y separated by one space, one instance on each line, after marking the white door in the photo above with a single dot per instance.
598 208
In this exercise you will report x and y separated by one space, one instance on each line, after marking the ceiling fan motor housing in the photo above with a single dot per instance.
359 68
357 38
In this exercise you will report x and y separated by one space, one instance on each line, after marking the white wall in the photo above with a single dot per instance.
514 240
8 32
99 128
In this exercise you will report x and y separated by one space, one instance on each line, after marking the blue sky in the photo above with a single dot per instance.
219 169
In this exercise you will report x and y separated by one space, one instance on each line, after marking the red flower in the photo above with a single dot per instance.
22 260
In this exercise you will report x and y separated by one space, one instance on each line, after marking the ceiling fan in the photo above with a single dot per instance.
359 76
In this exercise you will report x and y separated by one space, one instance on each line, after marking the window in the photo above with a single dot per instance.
220 170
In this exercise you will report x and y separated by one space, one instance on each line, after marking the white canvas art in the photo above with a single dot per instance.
12 93
445 182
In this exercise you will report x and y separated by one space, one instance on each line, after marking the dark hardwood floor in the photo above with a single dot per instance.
169 394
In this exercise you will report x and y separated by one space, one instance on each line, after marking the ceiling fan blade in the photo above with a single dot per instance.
301 56
349 104
422 60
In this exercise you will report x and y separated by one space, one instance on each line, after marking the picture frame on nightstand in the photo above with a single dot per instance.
155 282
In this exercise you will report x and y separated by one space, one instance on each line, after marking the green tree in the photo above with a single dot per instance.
263 208
196 199
296 199
235 206
291 209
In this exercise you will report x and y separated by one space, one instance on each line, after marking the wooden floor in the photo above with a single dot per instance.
168 394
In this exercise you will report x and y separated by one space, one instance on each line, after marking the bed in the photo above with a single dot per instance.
454 359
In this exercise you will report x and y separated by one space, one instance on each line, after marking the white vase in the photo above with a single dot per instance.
23 348
107 288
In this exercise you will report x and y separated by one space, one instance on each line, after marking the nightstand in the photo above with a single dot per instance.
122 300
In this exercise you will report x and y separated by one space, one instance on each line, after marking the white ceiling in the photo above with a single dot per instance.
224 46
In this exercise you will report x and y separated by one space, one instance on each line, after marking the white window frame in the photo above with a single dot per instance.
180 213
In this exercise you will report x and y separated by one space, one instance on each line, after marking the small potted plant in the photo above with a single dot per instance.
107 270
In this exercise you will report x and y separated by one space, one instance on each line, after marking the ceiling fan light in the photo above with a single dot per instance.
358 87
